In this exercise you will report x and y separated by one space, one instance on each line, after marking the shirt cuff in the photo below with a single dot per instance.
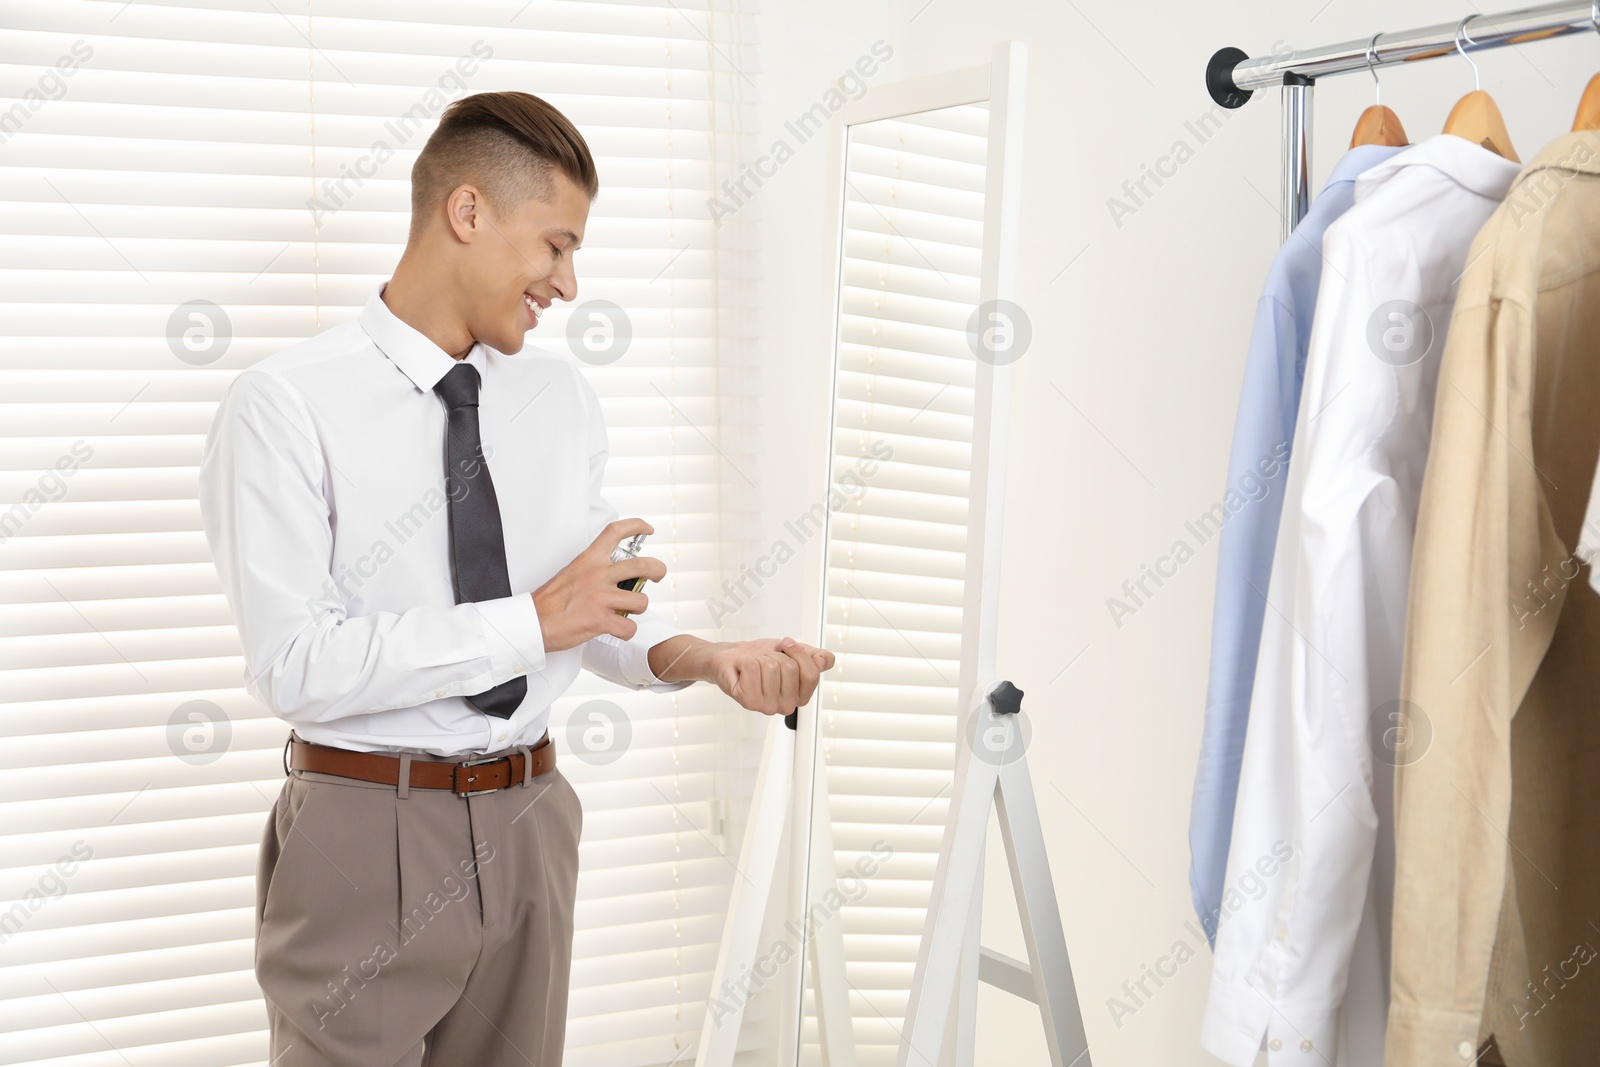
633 655
1240 1021
513 635
1302 1042
1430 1037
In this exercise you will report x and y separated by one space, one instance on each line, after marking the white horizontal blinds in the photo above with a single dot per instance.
257 157
902 437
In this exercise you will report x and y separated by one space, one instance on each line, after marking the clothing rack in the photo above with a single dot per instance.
1232 76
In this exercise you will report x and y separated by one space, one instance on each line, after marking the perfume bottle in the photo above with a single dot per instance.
628 550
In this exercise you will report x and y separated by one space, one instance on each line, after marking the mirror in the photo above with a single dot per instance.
906 375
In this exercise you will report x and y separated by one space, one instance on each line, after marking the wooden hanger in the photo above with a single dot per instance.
1476 116
1589 107
1378 124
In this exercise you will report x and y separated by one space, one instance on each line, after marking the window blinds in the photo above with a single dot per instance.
255 157
902 439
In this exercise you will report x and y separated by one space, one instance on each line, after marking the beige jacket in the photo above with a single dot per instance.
1497 888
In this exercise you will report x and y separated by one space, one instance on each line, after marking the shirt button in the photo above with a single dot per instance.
518 668
1305 1046
500 737
1464 1050
438 692
1275 1044
1282 934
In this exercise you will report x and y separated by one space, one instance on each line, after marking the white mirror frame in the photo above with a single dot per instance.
1000 82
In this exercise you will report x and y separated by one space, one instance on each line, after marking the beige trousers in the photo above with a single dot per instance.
416 929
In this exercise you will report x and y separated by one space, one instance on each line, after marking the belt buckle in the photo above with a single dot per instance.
475 763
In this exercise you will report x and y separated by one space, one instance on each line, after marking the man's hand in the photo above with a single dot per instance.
582 599
771 675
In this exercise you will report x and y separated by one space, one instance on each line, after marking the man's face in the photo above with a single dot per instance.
521 255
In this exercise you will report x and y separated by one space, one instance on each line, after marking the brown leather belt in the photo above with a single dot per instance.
463 777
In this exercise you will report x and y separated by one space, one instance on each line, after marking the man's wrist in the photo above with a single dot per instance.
683 657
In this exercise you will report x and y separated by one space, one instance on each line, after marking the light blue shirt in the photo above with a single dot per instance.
1269 401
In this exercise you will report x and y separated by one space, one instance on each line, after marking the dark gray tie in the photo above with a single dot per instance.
477 540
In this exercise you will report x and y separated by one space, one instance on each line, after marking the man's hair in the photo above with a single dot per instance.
507 144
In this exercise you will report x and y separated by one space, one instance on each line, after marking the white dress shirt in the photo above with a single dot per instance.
1589 540
1301 960
326 508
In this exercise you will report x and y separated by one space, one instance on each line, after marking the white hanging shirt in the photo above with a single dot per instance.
326 508
1589 541
1301 940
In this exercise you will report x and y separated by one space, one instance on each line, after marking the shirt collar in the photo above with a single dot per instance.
1569 153
424 362
1359 160
1469 165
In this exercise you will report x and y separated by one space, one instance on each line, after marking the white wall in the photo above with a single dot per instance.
1123 405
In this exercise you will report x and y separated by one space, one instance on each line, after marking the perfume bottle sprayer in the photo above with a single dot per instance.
628 550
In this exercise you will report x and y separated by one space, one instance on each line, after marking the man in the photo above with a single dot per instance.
413 618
